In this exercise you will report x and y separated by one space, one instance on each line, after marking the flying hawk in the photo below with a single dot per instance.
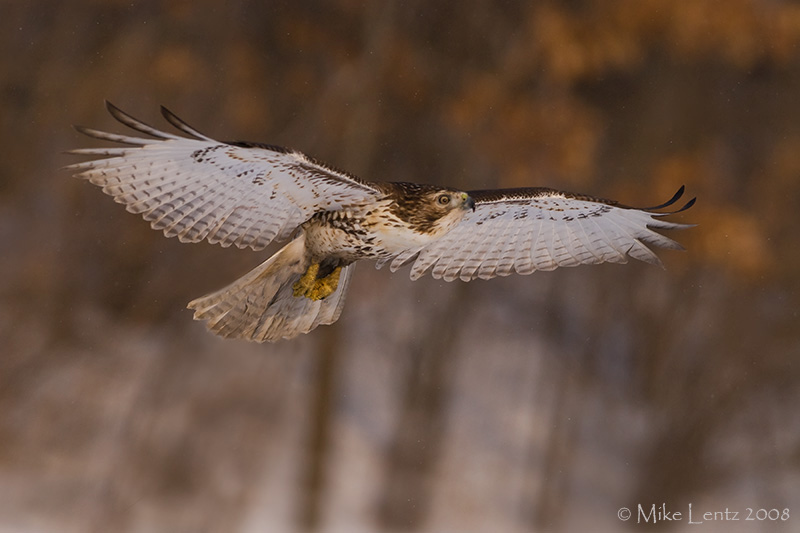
248 194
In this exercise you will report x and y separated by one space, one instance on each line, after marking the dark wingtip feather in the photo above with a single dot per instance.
135 124
102 135
176 121
121 116
670 202
168 115
686 206
89 131
675 198
111 108
689 204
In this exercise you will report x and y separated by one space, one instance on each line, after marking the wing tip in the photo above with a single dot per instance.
686 206
120 115
102 135
168 115
82 129
675 197
181 125
91 132
111 108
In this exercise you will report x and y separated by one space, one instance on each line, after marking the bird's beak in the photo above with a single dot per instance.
469 202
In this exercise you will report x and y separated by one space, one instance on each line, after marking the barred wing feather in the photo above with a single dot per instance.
197 188
524 230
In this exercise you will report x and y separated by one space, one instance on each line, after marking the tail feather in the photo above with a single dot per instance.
261 306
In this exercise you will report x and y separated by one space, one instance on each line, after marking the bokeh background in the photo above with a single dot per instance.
538 403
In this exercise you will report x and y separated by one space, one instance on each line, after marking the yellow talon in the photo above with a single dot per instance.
316 289
325 286
305 283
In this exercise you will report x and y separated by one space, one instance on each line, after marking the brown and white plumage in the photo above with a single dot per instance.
524 230
196 188
201 189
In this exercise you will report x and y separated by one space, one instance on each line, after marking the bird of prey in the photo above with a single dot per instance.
249 194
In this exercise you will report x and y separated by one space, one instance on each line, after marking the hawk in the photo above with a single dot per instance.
247 194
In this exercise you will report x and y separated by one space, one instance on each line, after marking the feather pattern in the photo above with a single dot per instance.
197 188
524 230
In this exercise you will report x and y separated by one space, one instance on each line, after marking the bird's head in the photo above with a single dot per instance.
429 209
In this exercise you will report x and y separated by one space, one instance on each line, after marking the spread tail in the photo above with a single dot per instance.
261 305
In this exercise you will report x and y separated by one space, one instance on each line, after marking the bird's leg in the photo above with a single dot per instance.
306 283
315 288
326 286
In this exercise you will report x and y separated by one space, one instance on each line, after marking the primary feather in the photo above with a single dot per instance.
247 194
524 230
227 193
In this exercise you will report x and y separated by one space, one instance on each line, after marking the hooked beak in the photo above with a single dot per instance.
469 202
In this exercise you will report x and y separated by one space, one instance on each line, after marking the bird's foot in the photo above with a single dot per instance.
315 288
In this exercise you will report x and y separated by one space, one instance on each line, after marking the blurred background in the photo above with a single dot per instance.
537 403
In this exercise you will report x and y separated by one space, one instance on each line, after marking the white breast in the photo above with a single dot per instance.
395 236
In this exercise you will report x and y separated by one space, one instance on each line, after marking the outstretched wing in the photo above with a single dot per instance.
524 230
198 188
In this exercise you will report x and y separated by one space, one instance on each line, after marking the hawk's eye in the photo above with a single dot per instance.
443 199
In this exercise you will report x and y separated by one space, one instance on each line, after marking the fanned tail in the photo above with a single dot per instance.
260 306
